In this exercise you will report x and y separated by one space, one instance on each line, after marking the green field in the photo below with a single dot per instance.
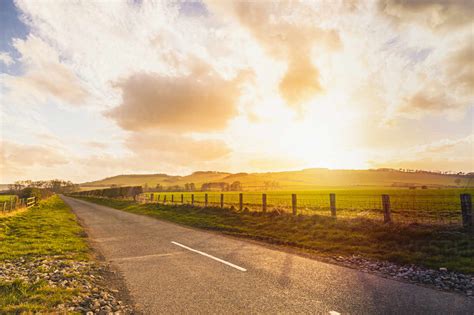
4 198
434 206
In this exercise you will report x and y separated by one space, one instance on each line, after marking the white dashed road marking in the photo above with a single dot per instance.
210 256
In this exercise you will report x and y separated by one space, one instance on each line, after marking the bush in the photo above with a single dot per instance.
39 193
116 192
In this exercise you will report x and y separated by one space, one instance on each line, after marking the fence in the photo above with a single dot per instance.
400 208
15 203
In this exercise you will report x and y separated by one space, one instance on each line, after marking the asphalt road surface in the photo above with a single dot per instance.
173 269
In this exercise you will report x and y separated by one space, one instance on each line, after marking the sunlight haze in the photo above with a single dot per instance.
100 88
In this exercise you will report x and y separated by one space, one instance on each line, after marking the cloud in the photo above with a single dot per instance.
30 155
286 33
433 41
6 58
444 154
44 75
96 144
447 145
201 101
171 148
460 68
436 14
155 152
17 159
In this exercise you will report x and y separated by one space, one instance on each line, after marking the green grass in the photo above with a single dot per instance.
441 206
4 198
430 246
46 230
21 297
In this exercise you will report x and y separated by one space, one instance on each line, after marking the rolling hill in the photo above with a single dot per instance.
303 179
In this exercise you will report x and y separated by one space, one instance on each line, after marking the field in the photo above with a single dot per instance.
308 179
4 198
433 206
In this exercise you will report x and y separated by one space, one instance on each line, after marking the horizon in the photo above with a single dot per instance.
235 86
438 172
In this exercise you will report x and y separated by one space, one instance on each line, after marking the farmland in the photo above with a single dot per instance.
4 198
308 179
440 206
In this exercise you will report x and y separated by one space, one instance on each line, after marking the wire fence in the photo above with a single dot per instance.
443 209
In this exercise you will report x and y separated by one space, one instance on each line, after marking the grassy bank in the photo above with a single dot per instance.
49 229
428 246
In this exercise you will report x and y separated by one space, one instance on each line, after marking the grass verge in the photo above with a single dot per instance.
49 229
428 246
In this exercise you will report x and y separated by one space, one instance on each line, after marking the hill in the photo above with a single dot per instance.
303 179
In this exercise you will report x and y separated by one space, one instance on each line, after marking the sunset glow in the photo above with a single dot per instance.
100 88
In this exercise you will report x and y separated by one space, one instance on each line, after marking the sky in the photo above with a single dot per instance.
90 89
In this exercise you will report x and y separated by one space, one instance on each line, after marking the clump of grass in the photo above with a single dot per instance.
430 246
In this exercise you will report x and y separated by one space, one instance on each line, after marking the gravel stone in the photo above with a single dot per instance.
442 279
94 296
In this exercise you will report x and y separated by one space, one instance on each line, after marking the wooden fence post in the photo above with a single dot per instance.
182 198
222 200
4 206
466 210
293 203
192 199
387 216
205 200
264 203
332 202
164 199
241 201
158 199
151 197
11 203
172 198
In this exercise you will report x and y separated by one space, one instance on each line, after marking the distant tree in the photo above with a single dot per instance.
271 185
159 187
174 188
236 186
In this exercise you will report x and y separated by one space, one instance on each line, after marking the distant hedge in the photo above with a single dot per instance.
39 193
116 192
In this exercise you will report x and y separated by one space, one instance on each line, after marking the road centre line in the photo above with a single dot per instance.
209 256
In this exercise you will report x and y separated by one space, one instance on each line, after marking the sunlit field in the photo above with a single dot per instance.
4 198
439 206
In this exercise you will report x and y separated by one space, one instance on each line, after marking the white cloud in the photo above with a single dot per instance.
44 75
6 58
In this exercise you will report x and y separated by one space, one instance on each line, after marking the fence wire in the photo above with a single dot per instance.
410 208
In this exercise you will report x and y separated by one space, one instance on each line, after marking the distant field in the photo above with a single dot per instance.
4 198
440 206
294 180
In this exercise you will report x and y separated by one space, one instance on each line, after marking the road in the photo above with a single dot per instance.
173 269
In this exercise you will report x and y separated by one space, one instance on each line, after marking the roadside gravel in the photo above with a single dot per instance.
92 294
